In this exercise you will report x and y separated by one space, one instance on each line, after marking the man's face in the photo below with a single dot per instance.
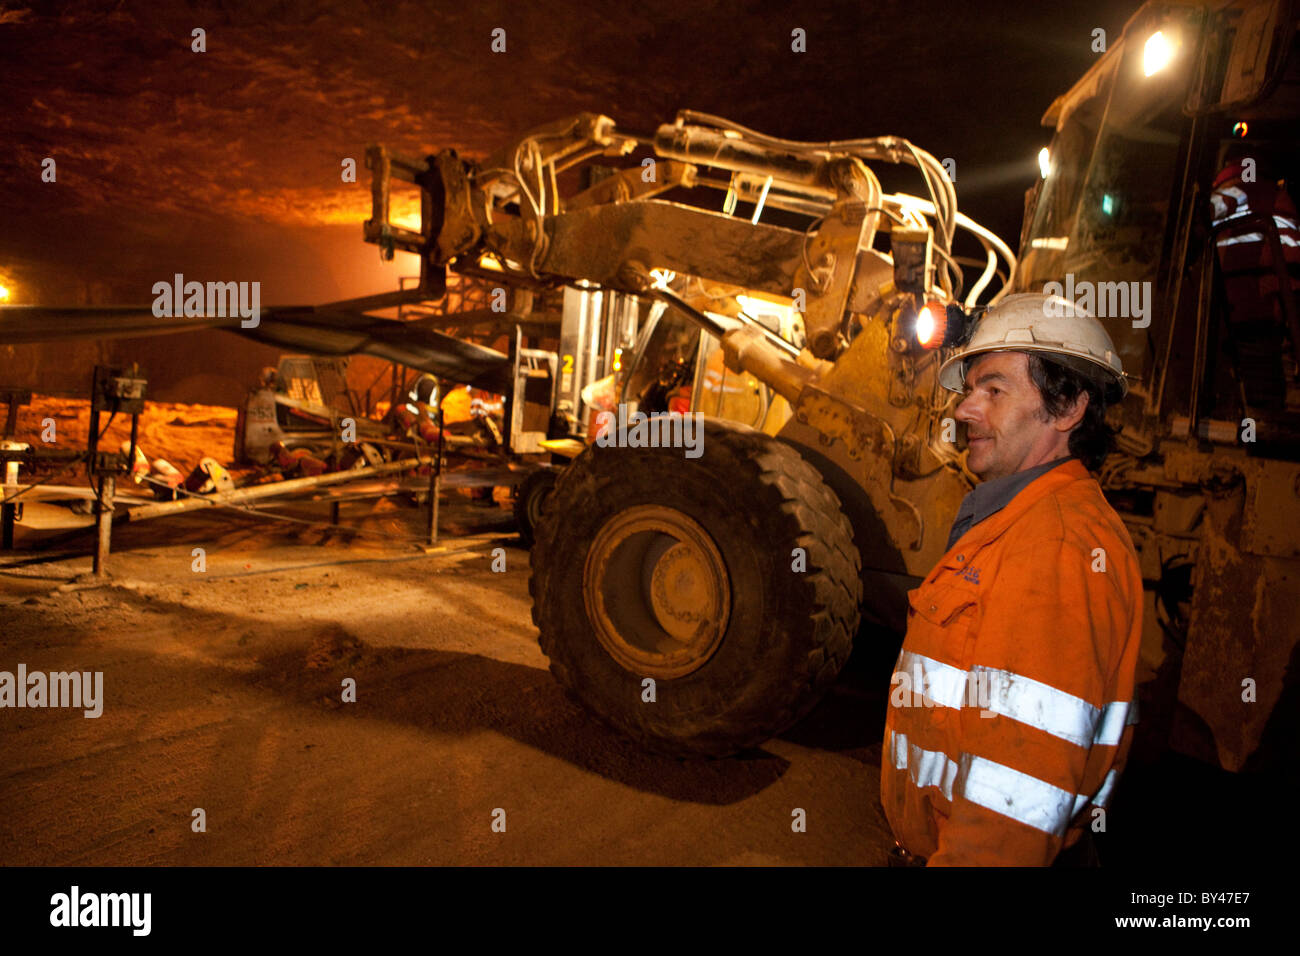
1007 428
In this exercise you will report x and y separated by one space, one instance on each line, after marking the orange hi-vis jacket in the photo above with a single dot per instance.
1013 700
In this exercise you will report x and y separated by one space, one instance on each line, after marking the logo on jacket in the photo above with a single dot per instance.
970 574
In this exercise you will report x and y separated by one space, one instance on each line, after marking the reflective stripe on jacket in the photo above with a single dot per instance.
1013 700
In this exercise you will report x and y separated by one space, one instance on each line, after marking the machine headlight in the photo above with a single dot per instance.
1157 53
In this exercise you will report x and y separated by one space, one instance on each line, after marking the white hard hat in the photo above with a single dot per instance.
1049 325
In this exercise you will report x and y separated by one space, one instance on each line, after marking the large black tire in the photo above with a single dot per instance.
530 498
788 631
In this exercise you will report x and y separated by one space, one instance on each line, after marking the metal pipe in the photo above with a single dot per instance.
270 490
104 524
809 202
716 328
696 144
435 484
746 349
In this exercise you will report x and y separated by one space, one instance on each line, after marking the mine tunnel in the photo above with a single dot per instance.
817 434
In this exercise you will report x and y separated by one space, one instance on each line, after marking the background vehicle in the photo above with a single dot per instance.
301 405
1140 189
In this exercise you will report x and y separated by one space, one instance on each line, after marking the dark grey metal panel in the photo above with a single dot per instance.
321 331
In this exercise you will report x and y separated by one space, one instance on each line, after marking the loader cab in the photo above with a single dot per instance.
618 348
1201 304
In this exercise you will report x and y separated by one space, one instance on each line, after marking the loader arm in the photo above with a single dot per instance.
504 217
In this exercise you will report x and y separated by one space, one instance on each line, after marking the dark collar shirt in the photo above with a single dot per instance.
992 496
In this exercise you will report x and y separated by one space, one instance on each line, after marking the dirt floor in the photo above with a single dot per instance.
223 693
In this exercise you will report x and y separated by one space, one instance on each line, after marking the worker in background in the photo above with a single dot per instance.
1012 700
1254 218
484 404
419 417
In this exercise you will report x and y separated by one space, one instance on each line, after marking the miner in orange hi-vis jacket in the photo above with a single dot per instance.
1012 704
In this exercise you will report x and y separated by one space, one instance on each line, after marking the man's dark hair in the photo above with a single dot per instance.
1092 439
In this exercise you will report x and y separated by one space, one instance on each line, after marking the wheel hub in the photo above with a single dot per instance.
534 505
657 591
